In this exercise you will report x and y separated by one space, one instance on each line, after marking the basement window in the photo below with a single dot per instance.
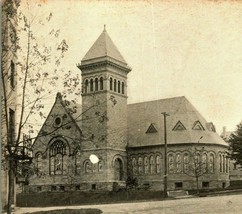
78 187
178 185
94 186
39 188
205 184
62 188
53 188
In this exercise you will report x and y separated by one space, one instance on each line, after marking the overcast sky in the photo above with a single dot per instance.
175 48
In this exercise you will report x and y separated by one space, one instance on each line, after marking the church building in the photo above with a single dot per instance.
128 139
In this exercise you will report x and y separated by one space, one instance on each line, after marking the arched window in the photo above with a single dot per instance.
57 153
38 158
111 84
78 163
118 169
87 166
204 162
158 164
96 84
211 163
100 166
224 163
220 163
115 85
186 162
12 76
152 165
122 87
170 163
178 163
227 165
91 85
86 86
119 86
134 166
101 83
146 164
140 165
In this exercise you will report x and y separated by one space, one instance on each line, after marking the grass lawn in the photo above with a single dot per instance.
70 211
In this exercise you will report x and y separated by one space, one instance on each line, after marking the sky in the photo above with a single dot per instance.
175 48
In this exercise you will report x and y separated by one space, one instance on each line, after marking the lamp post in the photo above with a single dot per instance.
165 155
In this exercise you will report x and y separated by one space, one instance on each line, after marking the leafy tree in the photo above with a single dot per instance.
235 141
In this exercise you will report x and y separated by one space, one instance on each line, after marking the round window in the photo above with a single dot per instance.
57 121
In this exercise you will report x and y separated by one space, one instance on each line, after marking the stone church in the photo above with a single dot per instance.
128 139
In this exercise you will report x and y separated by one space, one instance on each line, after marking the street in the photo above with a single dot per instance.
204 205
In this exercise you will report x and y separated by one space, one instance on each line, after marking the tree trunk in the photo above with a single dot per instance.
197 185
11 185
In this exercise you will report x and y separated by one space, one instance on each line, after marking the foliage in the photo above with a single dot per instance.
131 183
235 141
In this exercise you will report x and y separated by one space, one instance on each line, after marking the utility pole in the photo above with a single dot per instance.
165 155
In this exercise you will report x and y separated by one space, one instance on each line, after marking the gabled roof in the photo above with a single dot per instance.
141 115
104 47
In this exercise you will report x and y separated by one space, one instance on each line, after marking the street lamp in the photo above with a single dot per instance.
165 156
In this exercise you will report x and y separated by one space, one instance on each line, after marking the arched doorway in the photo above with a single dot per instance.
118 169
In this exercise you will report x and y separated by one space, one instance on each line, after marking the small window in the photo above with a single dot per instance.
62 188
115 85
235 166
57 121
205 184
178 185
53 188
96 84
94 186
39 188
78 187
223 185
91 85
118 86
111 84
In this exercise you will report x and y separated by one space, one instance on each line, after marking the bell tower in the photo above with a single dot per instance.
104 105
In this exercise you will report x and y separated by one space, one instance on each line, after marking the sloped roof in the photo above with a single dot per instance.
141 115
104 47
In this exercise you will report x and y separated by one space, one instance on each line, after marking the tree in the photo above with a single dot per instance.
235 141
196 164
25 83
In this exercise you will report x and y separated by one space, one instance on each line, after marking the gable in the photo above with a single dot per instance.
198 126
151 129
179 126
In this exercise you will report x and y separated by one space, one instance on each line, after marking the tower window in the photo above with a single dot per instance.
91 85
115 85
101 83
86 86
11 125
96 84
122 87
111 84
12 75
118 86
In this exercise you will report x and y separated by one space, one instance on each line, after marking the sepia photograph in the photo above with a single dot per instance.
130 106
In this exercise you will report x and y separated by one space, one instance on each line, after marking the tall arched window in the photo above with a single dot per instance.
140 165
158 164
211 163
178 163
57 153
220 163
101 83
115 85
122 87
170 163
111 84
96 84
152 165
204 162
86 86
118 169
146 165
224 163
134 166
227 165
38 158
91 85
186 162
78 163
119 86
100 166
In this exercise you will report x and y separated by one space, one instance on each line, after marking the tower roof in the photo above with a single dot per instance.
104 47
